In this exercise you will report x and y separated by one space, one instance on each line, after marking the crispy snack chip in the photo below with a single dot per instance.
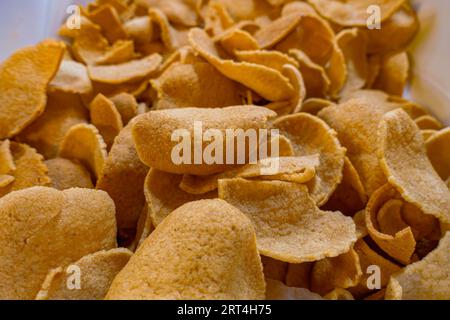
310 135
97 272
339 294
23 82
196 84
63 111
287 220
353 43
123 178
424 280
106 118
127 106
427 122
66 174
400 142
399 244
65 226
437 149
6 158
125 72
160 201
107 18
267 82
84 143
274 269
353 13
120 52
155 145
290 169
394 73
299 275
5 180
30 169
343 271
276 290
361 116
209 228
72 77
178 11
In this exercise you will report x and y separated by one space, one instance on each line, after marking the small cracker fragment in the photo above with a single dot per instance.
123 178
401 245
105 117
84 143
274 269
196 84
287 220
428 122
343 271
164 195
367 258
291 169
438 146
267 82
131 71
309 135
30 169
339 294
107 18
356 122
97 272
211 229
65 174
353 13
72 77
360 221
177 11
43 228
394 73
353 43
237 40
276 290
139 29
400 142
315 105
5 180
24 77
127 106
317 83
120 52
424 280
63 111
272 59
6 158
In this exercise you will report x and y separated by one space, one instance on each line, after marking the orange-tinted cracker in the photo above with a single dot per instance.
211 229
267 82
30 169
428 122
63 110
139 29
106 118
164 195
310 135
5 180
438 146
97 271
131 71
343 271
6 158
276 290
84 143
274 269
197 85
65 174
72 77
353 43
427 279
401 142
339 294
356 122
120 52
350 13
402 244
127 106
43 228
152 134
107 18
317 83
24 77
180 12
123 179
315 105
287 220
394 73
291 169
299 274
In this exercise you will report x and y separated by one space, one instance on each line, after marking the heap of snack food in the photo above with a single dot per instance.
93 206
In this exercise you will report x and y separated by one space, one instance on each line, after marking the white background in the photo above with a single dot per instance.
25 22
